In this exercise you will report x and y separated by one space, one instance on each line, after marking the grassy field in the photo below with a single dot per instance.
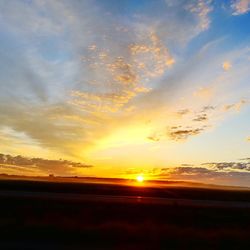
58 215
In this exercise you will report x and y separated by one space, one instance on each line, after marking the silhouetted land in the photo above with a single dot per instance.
52 214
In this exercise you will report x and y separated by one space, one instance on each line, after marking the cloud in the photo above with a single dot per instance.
39 166
240 7
226 65
195 10
245 159
206 92
123 76
183 111
154 138
47 127
179 132
189 171
228 166
208 115
210 168
201 118
201 8
182 133
222 173
236 106
208 108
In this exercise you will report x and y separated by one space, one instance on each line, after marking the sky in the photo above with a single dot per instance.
119 88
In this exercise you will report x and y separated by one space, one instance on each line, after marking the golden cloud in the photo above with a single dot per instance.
226 65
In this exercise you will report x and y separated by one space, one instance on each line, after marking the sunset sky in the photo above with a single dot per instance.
113 88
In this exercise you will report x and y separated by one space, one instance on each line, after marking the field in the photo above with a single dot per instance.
57 214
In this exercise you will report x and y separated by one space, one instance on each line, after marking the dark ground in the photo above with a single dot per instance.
47 215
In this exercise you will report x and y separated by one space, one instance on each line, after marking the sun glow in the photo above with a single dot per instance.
140 178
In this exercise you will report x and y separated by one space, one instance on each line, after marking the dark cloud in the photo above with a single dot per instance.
228 165
208 108
201 118
245 159
154 138
177 133
223 173
183 111
190 171
175 127
202 115
236 106
39 165
187 165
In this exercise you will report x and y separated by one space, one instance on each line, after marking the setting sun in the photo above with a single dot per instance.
140 178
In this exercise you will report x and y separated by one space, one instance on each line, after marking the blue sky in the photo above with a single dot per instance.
128 87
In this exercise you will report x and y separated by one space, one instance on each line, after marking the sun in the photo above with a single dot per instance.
140 178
